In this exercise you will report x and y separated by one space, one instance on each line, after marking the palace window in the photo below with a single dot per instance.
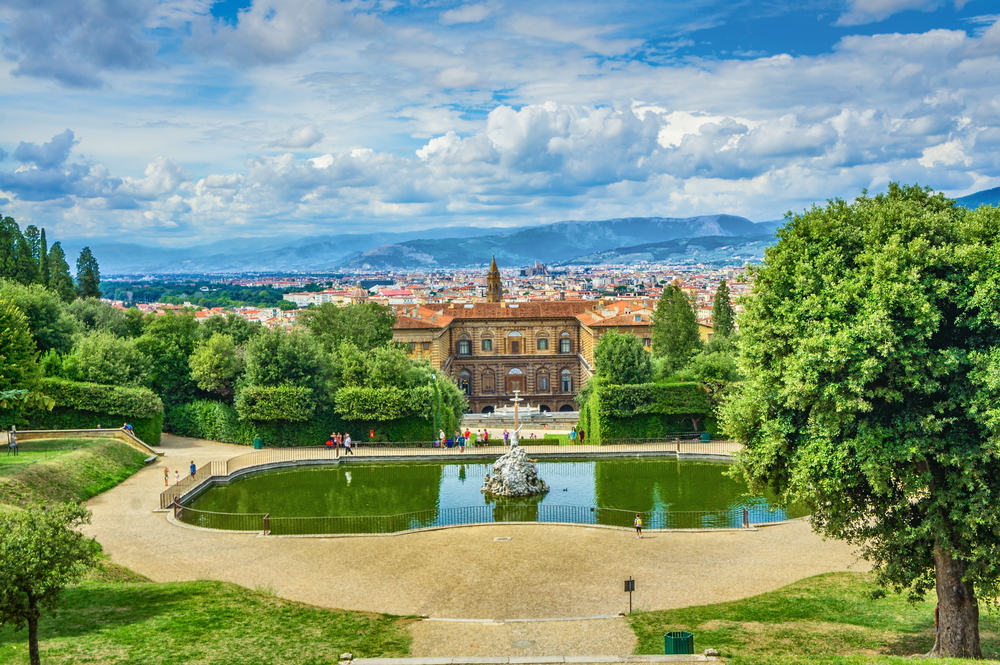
566 378
464 345
565 345
542 343
514 342
426 346
465 382
487 345
488 384
413 346
543 383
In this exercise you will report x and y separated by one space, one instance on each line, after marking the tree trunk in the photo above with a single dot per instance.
958 611
33 637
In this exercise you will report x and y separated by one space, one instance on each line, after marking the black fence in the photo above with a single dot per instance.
743 516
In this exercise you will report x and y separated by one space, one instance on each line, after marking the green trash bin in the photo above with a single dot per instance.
678 642
706 437
258 444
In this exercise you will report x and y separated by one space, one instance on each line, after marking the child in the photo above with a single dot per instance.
166 477
638 525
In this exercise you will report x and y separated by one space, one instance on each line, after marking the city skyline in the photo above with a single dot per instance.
185 121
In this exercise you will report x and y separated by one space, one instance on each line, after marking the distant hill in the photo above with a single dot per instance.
989 197
282 253
706 250
552 243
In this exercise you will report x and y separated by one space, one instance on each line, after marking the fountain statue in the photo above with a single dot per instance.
514 474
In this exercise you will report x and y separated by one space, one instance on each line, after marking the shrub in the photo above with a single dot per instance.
388 403
275 403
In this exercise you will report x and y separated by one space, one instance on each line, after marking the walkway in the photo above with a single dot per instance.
541 572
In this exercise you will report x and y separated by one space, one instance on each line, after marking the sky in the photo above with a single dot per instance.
180 122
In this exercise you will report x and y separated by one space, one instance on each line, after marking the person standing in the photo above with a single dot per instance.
638 525
166 477
177 476
12 441
486 437
572 435
582 435
441 439
506 437
347 444
193 468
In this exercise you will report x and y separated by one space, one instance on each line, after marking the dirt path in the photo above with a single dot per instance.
541 572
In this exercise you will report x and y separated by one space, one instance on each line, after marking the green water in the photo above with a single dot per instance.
593 491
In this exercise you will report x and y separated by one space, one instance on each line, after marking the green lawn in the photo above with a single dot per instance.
834 618
44 471
31 452
198 623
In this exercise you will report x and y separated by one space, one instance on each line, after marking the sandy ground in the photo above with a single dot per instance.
541 572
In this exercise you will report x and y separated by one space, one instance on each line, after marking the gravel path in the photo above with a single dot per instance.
541 572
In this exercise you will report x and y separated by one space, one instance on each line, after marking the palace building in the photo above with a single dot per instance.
545 350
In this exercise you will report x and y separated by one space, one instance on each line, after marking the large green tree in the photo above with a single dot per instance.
621 359
366 325
16 262
723 316
278 357
871 350
88 275
51 326
18 355
675 329
60 280
168 341
96 314
215 365
100 357
42 552
236 327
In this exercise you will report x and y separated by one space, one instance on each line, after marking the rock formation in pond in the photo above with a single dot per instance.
514 475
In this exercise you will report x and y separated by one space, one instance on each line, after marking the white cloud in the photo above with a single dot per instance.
468 14
860 12
302 136
587 36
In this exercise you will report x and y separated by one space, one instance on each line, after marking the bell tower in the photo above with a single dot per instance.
494 287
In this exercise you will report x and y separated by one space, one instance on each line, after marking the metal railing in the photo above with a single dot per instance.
733 518
267 457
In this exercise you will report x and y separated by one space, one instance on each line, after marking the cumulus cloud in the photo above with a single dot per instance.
74 42
467 14
269 31
302 136
860 12
48 155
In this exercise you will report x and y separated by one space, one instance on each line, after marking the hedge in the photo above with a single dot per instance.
644 411
276 403
217 421
82 405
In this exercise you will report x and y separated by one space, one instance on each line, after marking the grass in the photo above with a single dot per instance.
109 622
41 473
836 618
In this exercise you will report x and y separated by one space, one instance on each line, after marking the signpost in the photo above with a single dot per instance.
629 588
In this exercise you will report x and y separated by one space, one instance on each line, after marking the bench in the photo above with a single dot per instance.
150 459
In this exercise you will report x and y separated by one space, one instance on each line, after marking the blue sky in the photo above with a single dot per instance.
177 122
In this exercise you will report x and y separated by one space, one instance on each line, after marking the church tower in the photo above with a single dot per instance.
494 288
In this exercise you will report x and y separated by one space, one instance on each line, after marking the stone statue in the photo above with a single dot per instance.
514 475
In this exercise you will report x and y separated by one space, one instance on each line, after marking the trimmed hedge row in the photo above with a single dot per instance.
644 411
216 421
82 405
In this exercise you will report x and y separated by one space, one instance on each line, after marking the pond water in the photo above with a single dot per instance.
353 498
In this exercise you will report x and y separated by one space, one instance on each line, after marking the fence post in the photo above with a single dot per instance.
746 517
267 524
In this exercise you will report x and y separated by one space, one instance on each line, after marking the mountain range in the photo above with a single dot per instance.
704 240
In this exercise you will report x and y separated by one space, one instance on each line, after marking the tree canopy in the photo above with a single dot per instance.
215 365
60 280
18 355
621 359
50 325
675 329
871 351
723 316
42 552
367 325
88 275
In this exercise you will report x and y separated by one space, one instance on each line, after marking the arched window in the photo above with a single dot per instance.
465 381
514 342
566 381
565 343
515 371
515 381
464 345
542 343
487 344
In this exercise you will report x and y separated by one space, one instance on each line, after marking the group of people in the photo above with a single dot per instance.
193 468
338 441
577 435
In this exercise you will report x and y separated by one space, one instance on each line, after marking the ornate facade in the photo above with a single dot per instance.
543 349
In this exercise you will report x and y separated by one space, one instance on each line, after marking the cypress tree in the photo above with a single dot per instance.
723 317
675 329
43 259
59 277
88 275
16 262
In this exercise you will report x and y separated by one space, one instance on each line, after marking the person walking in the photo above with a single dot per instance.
572 435
166 477
582 436
347 445
12 441
193 468
638 525
177 476
486 437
